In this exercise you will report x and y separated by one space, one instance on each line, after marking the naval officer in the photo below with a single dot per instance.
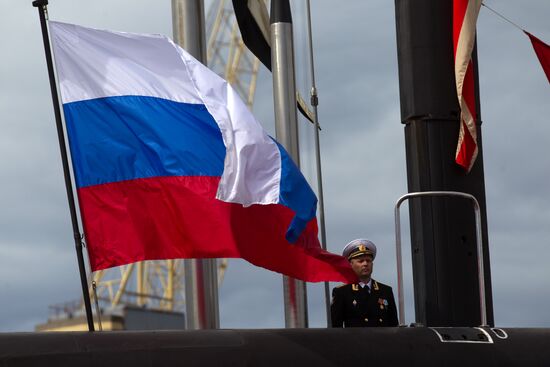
367 302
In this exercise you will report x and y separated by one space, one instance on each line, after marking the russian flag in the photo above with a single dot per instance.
169 162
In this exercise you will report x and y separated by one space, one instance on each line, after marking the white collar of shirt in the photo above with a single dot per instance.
369 284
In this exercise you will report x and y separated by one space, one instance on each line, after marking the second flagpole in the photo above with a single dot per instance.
286 129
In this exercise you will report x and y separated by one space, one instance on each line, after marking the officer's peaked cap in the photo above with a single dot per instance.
359 247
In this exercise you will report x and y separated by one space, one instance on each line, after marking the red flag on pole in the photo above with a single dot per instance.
465 14
543 53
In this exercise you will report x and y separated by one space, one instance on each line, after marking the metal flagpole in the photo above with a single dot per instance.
314 103
201 280
284 95
42 12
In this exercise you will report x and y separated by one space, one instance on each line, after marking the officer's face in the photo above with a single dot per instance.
362 266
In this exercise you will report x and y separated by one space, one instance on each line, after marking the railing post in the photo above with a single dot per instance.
479 243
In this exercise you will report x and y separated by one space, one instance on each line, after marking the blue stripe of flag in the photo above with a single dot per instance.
123 138
295 194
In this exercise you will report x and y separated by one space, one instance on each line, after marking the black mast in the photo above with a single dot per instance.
42 8
443 232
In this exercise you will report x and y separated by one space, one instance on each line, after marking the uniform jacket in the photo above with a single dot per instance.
353 306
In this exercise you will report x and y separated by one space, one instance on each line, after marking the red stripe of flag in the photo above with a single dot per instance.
179 218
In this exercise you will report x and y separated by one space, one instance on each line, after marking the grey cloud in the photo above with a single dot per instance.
362 151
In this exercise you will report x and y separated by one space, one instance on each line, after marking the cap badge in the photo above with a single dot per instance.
362 248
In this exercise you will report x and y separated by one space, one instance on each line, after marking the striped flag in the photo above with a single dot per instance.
253 20
465 14
169 163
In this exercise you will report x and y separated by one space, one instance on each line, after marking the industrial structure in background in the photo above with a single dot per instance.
151 294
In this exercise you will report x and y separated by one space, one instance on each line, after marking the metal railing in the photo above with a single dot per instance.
479 241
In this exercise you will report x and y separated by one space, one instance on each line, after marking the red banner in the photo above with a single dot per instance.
543 53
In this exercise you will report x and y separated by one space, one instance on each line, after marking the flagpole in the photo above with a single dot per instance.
201 280
314 104
42 12
286 126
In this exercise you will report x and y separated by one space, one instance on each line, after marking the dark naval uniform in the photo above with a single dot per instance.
353 306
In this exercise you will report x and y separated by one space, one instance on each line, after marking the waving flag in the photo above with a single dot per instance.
170 163
253 20
465 14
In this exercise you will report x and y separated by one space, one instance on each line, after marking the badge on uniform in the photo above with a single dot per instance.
354 302
382 302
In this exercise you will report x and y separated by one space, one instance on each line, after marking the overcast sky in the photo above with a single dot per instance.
363 157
